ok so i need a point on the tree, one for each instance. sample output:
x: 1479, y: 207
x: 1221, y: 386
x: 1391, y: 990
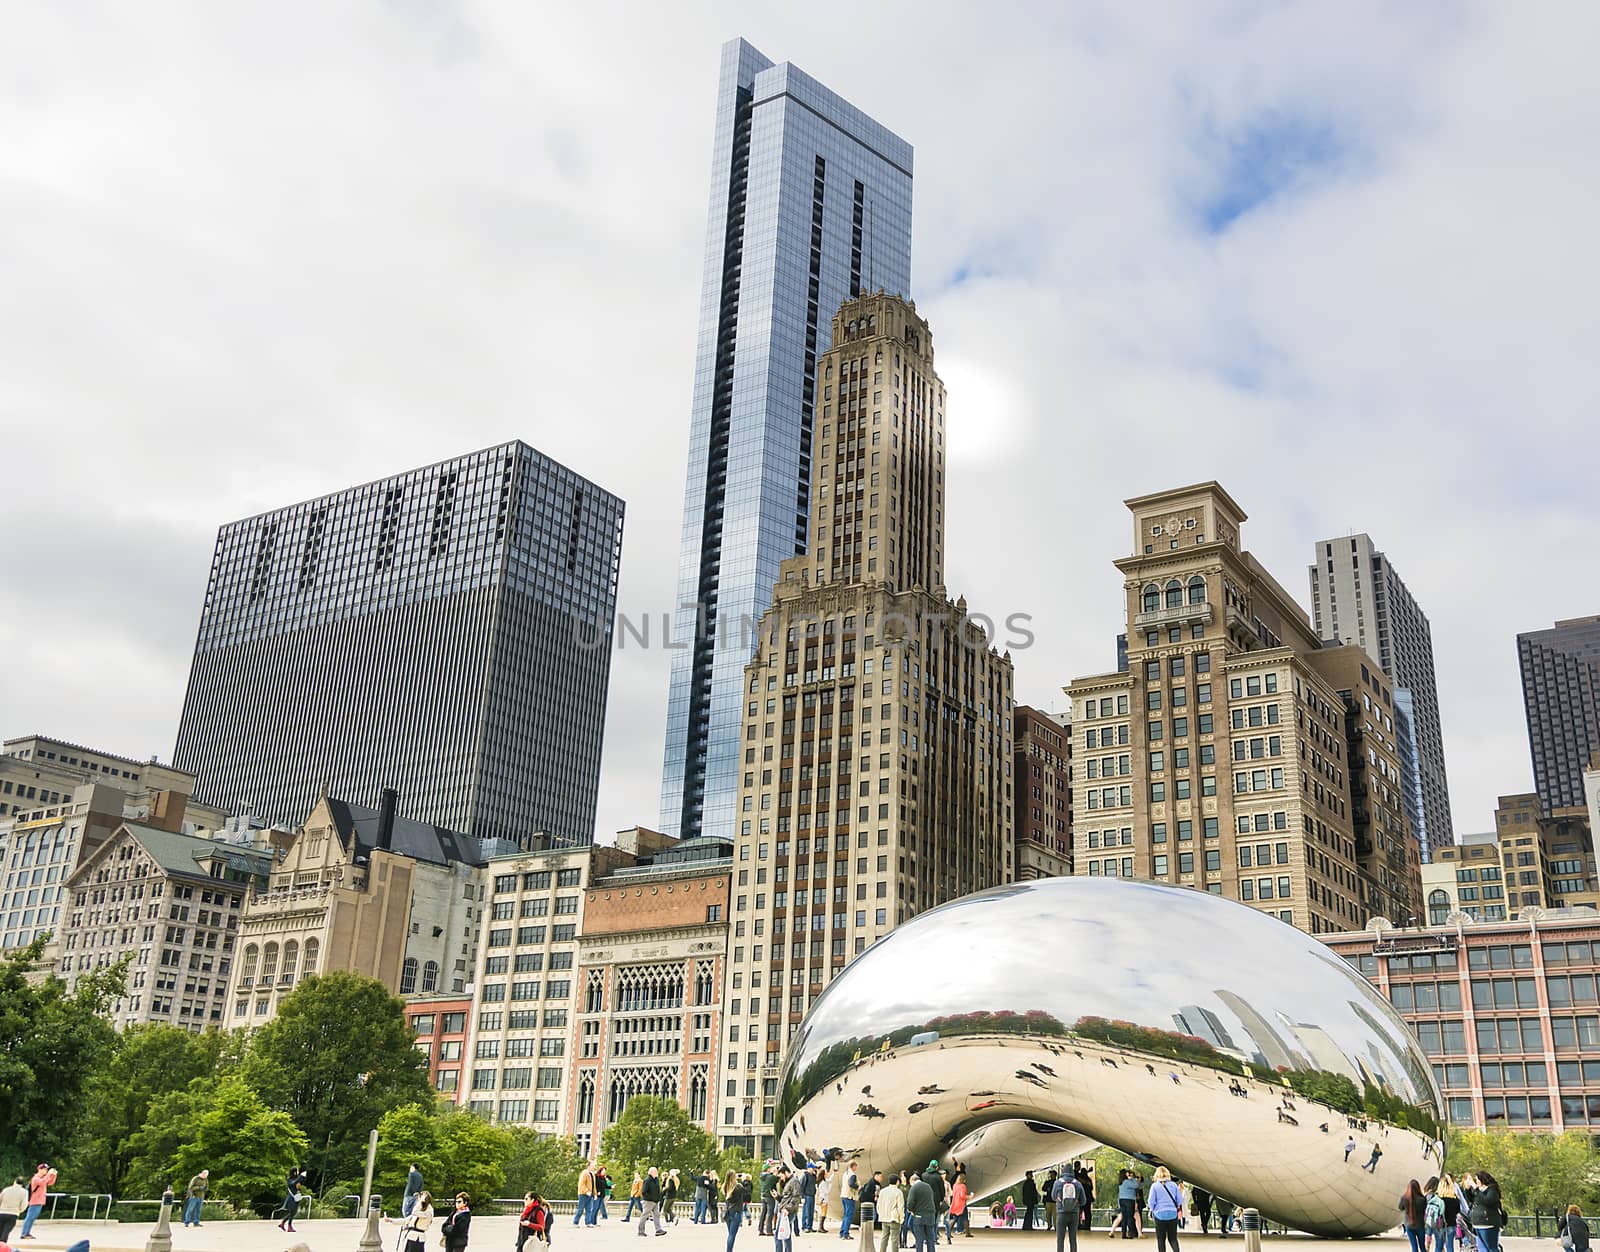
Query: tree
x: 223, y: 1126
x: 146, y: 1064
x: 50, y: 1042
x: 655, y: 1131
x: 409, y: 1136
x: 337, y: 1057
x: 1535, y: 1171
x: 454, y: 1149
x: 248, y: 1147
x: 546, y: 1164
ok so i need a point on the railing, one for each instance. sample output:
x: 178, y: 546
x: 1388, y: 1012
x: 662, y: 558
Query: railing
x: 1177, y: 615
x: 94, y: 1198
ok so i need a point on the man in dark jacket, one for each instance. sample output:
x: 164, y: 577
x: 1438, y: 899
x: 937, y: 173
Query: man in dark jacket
x: 1030, y: 1199
x: 650, y: 1198
x: 1202, y: 1206
x: 769, y: 1199
x: 869, y: 1195
x: 808, y: 1201
x: 413, y: 1190
x: 922, y: 1213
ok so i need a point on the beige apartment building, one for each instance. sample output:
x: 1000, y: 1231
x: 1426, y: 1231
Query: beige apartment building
x: 876, y: 779
x: 360, y: 889
x: 1548, y: 860
x: 1465, y: 878
x: 1220, y: 759
x: 170, y: 902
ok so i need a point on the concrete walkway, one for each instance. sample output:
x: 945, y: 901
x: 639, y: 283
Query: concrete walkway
x: 499, y: 1234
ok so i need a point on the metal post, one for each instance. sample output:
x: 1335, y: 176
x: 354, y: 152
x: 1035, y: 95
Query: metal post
x: 1250, y: 1223
x: 867, y: 1213
x: 160, y: 1239
x: 371, y: 1240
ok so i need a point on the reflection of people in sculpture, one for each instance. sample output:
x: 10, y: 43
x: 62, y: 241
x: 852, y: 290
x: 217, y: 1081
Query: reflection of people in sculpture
x: 1372, y: 1161
x: 1349, y: 1147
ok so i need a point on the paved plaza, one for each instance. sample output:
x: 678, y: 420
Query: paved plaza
x: 499, y: 1234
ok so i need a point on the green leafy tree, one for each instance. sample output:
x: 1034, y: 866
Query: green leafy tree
x: 474, y: 1155
x: 147, y: 1063
x: 655, y: 1131
x: 248, y: 1147
x: 407, y: 1136
x: 546, y: 1164
x: 454, y: 1149
x: 1535, y: 1171
x: 337, y: 1057
x: 50, y: 1042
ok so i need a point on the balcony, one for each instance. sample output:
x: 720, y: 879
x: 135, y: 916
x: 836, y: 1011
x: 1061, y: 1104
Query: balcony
x: 1179, y: 615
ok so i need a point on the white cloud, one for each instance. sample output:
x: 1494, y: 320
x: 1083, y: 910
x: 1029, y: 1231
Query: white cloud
x: 250, y: 258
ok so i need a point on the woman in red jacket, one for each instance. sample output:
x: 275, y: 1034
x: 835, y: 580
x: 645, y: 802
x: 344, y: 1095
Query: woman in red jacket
x: 535, y: 1221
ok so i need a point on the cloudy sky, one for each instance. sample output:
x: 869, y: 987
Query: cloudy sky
x: 1340, y: 257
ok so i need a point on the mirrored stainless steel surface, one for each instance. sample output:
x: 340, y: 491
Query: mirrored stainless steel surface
x: 1012, y: 1029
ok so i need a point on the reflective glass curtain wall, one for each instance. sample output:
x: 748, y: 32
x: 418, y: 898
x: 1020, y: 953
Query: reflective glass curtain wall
x: 446, y: 632
x: 810, y: 204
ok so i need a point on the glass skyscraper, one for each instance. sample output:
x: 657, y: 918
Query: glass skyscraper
x: 810, y: 205
x: 446, y: 632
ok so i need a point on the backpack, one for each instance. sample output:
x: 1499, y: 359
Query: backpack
x: 1433, y: 1214
x: 1068, y: 1195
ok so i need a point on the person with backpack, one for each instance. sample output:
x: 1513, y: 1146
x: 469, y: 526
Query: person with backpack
x: 1413, y: 1207
x: 1485, y: 1215
x: 1166, y: 1208
x: 1574, y: 1230
x: 1070, y: 1200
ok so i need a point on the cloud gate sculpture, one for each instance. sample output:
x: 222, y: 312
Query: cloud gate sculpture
x: 1021, y: 1026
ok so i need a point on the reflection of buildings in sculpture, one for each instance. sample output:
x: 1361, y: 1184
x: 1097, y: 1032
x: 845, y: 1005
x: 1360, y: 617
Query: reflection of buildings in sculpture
x: 1325, y: 1054
x: 1396, y: 1066
x: 1270, y: 1050
x: 1202, y: 1023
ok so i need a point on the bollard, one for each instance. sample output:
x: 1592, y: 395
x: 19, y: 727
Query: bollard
x: 867, y: 1214
x: 371, y: 1239
x: 160, y: 1239
x: 1250, y: 1223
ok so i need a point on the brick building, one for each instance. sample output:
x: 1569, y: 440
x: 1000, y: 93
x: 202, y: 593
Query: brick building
x: 1506, y: 1011
x: 441, y: 1025
x: 1043, y: 805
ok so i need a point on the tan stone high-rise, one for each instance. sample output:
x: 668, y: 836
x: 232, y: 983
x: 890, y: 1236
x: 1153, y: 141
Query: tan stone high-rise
x: 1220, y: 758
x: 876, y: 776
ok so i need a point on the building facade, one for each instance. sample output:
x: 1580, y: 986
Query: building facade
x: 441, y: 1025
x: 171, y: 903
x: 39, y: 772
x: 1465, y: 878
x: 519, y: 1066
x: 1388, y: 857
x: 446, y: 632
x: 810, y: 205
x: 876, y: 768
x: 362, y: 890
x: 1359, y: 599
x: 1220, y: 759
x: 1561, y: 696
x: 1042, y: 810
x: 1507, y: 1012
x: 650, y: 973
x: 1548, y: 857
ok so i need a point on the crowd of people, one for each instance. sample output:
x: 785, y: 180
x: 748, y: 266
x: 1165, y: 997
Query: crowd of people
x: 1445, y: 1212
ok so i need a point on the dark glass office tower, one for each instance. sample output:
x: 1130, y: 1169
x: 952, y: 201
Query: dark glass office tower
x: 810, y: 205
x: 1561, y: 692
x: 446, y: 632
